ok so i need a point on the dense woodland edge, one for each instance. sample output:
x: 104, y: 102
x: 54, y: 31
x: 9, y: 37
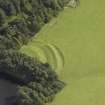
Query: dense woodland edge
x: 20, y: 20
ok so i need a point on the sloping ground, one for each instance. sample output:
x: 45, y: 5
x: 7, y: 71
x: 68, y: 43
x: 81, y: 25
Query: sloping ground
x: 80, y: 34
x: 46, y: 53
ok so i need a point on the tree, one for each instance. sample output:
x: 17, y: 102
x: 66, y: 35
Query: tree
x: 2, y: 17
x: 38, y: 83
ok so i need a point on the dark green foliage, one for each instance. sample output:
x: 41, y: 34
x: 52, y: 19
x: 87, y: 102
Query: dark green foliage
x: 2, y: 17
x: 38, y: 83
x: 21, y: 19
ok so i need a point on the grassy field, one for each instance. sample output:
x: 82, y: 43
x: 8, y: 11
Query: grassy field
x: 80, y: 34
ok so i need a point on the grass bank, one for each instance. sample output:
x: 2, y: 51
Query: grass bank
x: 80, y: 34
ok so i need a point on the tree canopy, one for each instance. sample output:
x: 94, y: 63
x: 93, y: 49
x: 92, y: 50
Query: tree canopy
x: 38, y: 83
x: 19, y: 21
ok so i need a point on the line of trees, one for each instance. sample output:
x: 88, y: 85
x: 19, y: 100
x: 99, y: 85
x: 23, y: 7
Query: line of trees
x: 19, y: 21
x: 22, y: 19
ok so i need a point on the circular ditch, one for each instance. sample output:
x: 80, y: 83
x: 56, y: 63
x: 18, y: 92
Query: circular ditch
x: 46, y: 53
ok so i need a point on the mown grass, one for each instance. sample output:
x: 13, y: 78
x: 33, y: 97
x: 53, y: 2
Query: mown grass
x: 80, y: 34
